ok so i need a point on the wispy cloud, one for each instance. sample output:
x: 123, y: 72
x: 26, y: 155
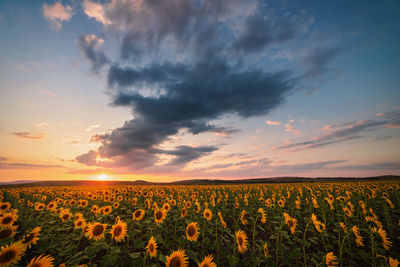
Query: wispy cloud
x: 47, y: 92
x: 56, y: 14
x: 275, y: 123
x: 91, y: 127
x: 28, y: 135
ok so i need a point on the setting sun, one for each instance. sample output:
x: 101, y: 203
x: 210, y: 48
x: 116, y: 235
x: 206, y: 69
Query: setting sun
x: 102, y: 177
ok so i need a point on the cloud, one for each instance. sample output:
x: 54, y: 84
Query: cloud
x: 28, y: 135
x: 27, y: 166
x: 91, y: 127
x: 95, y: 10
x: 307, y: 166
x: 346, y: 131
x: 89, y: 45
x: 290, y: 129
x: 56, y: 14
x: 275, y: 123
x: 180, y: 66
x: 3, y: 158
x: 317, y: 59
x: 265, y: 27
x: 372, y: 166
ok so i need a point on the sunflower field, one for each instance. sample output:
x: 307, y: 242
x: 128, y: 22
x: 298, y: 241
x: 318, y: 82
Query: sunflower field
x: 316, y: 224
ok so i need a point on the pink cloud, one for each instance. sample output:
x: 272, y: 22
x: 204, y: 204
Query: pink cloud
x: 96, y: 11
x: 290, y: 129
x: 275, y: 123
x: 56, y: 14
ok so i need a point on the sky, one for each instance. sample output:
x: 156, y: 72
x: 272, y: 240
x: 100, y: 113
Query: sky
x: 219, y: 89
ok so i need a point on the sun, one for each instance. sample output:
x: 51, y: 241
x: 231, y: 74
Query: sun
x: 102, y: 177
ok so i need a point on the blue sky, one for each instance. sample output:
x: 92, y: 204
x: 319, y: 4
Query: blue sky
x: 178, y: 89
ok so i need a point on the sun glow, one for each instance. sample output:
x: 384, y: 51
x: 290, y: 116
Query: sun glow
x: 102, y: 177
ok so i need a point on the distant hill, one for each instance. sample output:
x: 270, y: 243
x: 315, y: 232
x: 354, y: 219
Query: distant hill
x: 204, y: 181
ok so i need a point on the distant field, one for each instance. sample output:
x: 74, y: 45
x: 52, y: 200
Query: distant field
x: 294, y: 224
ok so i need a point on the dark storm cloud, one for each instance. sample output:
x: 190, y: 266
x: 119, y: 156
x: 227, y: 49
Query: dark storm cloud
x: 185, y: 154
x: 89, y: 45
x: 179, y: 67
x: 265, y: 27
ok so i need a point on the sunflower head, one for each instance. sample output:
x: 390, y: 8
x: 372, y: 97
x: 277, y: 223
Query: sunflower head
x: 177, y: 258
x: 8, y: 219
x: 32, y: 237
x: 118, y: 230
x: 207, y: 214
x: 42, y: 261
x: 152, y: 247
x: 159, y: 215
x: 10, y: 255
x: 192, y: 231
x: 7, y: 232
x: 241, y: 239
x: 138, y: 215
x: 96, y: 231
x: 208, y: 262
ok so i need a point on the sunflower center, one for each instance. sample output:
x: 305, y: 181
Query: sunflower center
x: 98, y: 229
x: 175, y: 262
x: 3, y: 207
x: 240, y: 240
x: 7, y: 220
x: 65, y: 216
x: 117, y: 231
x: 79, y: 223
x: 191, y: 230
x: 151, y: 247
x: 159, y: 215
x: 7, y: 256
x: 137, y: 214
x: 5, y: 233
x: 290, y: 223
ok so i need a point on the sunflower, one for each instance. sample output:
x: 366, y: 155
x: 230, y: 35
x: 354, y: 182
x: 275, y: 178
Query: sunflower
x: 166, y: 207
x: 52, y: 205
x: 207, y: 262
x: 263, y: 217
x: 118, y: 230
x: 331, y: 260
x: 32, y: 237
x: 386, y: 243
x: 7, y: 232
x: 8, y: 219
x: 95, y: 209
x: 5, y: 206
x: 241, y: 239
x: 243, y: 217
x: 236, y: 205
x: 65, y: 215
x: 10, y: 255
x: 348, y: 211
x: 134, y: 201
x: 291, y: 222
x: 41, y: 261
x: 84, y: 203
x: 107, y: 210
x: 177, y: 258
x: 159, y: 215
x: 116, y: 205
x: 265, y: 249
x: 393, y: 262
x: 343, y: 227
x: 96, y: 231
x: 138, y: 215
x: 207, y: 214
x: 80, y: 223
x: 183, y: 212
x: 359, y: 238
x: 192, y: 231
x: 152, y: 247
